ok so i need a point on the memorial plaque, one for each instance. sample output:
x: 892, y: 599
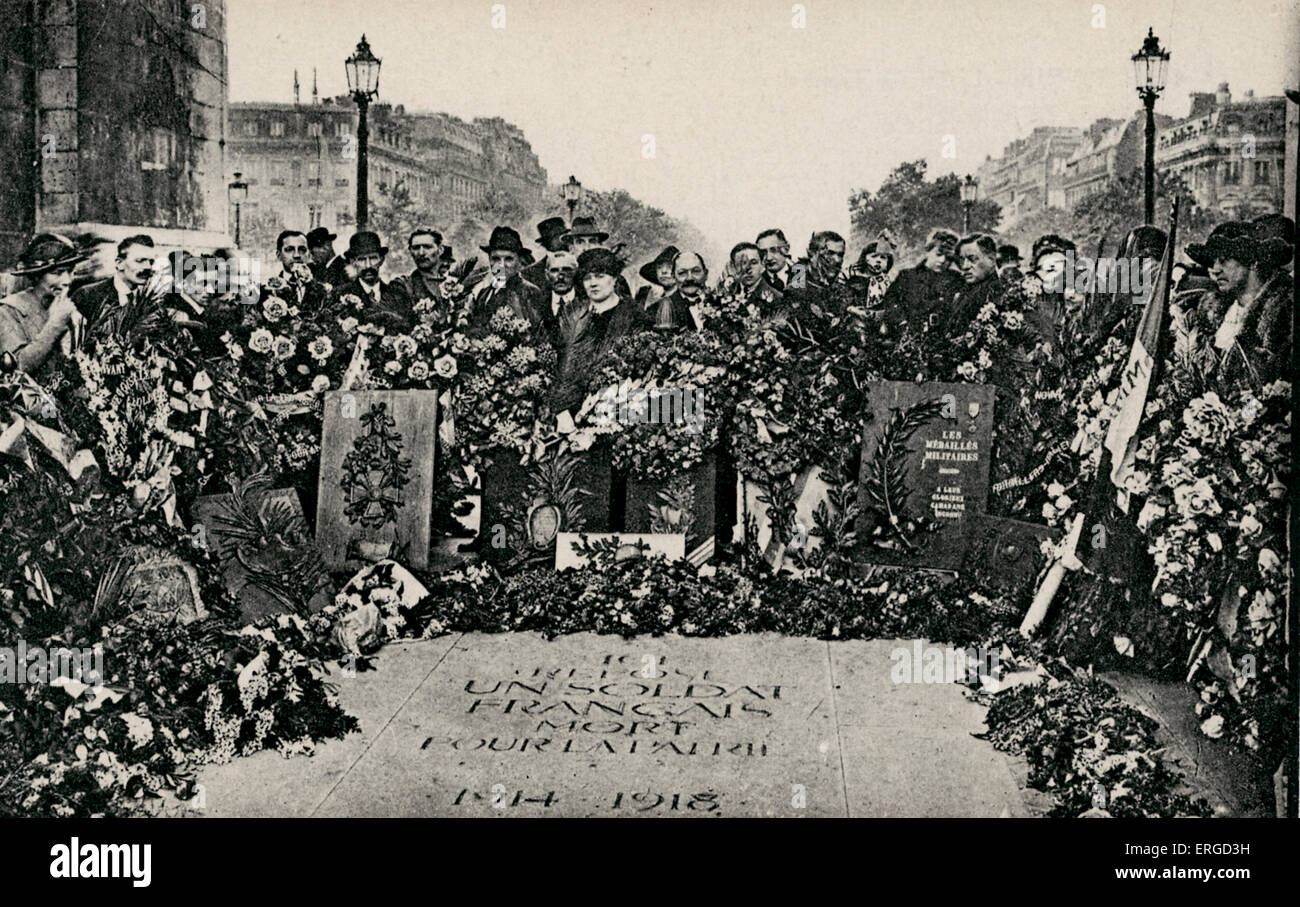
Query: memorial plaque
x: 686, y: 503
x: 511, y: 724
x: 925, y: 468
x: 590, y: 725
x: 1006, y: 553
x: 627, y: 545
x: 524, y: 506
x: 255, y: 572
x: 376, y: 477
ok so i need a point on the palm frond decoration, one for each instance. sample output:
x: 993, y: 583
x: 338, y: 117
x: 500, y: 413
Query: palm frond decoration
x: 885, y: 479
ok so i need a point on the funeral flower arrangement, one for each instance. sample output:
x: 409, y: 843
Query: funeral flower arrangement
x: 660, y: 397
x: 1215, y: 477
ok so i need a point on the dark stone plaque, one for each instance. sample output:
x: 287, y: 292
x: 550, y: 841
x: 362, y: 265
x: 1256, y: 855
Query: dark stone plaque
x: 687, y: 503
x: 925, y: 469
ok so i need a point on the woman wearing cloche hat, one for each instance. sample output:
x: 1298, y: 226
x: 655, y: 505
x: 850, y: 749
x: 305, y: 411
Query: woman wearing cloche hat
x: 34, y: 320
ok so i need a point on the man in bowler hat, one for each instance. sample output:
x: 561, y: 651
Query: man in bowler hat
x: 385, y: 304
x: 506, y: 286
x: 553, y: 236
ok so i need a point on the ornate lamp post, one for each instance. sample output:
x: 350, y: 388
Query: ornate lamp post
x: 363, y: 82
x: 1149, y: 65
x: 572, y: 192
x: 970, y: 188
x: 238, y: 195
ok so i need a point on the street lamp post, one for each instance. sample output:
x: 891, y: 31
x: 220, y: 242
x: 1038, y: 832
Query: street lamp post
x: 572, y: 192
x: 1149, y: 66
x: 363, y: 82
x: 238, y: 195
x: 969, y: 191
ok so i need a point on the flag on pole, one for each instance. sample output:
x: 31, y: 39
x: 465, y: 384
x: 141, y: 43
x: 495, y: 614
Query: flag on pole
x: 1136, y: 382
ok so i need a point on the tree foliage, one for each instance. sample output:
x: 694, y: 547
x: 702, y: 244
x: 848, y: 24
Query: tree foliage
x: 909, y: 206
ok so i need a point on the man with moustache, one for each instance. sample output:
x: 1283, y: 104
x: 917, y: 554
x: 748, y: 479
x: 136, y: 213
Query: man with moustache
x: 380, y: 302
x: 506, y: 286
x: 561, y: 289
x: 553, y: 236
x: 133, y: 269
x: 774, y: 250
x: 673, y: 311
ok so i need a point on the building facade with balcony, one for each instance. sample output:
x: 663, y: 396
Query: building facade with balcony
x: 299, y: 161
x: 1230, y: 153
x: 1031, y: 172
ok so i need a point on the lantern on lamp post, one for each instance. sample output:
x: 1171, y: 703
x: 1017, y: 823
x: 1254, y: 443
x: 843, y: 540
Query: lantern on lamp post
x: 363, y: 82
x: 572, y: 192
x: 238, y: 195
x: 1149, y: 66
x: 970, y: 188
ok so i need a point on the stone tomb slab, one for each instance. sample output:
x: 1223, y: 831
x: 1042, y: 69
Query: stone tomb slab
x: 588, y: 725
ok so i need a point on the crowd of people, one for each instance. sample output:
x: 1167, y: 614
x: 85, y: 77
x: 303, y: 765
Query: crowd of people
x: 1232, y: 290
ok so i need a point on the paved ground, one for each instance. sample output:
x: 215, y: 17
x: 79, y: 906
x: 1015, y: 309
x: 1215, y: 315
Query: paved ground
x: 512, y: 724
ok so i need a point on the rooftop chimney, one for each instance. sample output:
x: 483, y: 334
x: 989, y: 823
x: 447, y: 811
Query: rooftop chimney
x: 1223, y: 96
x: 295, y: 88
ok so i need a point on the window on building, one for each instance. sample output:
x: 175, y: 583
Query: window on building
x: 1262, y: 172
x: 313, y: 216
x: 342, y: 127
x: 313, y: 130
x: 277, y: 127
x: 250, y: 127
x: 313, y: 174
x: 341, y: 181
x: 1232, y: 173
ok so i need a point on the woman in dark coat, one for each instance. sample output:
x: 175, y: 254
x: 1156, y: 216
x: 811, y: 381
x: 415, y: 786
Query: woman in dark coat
x: 589, y: 325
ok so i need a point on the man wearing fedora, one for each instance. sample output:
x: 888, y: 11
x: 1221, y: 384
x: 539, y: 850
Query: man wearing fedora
x: 1247, y: 319
x: 507, y: 287
x: 33, y: 321
x: 553, y: 236
x: 326, y: 267
x: 659, y: 277
x: 382, y: 303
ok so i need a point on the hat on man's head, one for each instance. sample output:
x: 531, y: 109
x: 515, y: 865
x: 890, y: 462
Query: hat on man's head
x: 47, y: 252
x: 550, y: 230
x: 599, y: 261
x: 1240, y: 241
x: 526, y: 257
x: 650, y: 270
x: 1051, y: 243
x: 447, y: 254
x: 366, y: 242
x: 320, y: 237
x: 504, y: 239
x: 1007, y: 254
x: 586, y: 226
